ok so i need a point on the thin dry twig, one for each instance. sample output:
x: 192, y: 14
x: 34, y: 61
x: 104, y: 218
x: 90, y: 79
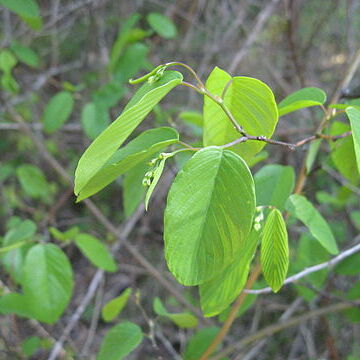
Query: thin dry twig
x: 253, y: 35
x: 273, y: 329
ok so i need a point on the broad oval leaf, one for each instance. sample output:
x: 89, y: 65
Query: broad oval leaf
x: 94, y: 119
x: 302, y: 209
x: 349, y: 266
x: 119, y: 341
x: 274, y: 250
x: 21, y: 232
x: 33, y: 181
x: 192, y: 118
x: 274, y: 184
x: 303, y: 98
x: 7, y: 61
x: 96, y: 252
x: 47, y: 282
x: 31, y: 345
x: 114, y: 307
x: 309, y: 252
x: 354, y: 117
x: 250, y: 101
x: 57, y: 111
x: 106, y: 144
x: 208, y: 216
x: 136, y: 151
x: 14, y: 303
x: 344, y: 149
x: 183, y: 320
x: 199, y: 342
x: 28, y: 10
x: 162, y: 25
x: 25, y: 54
x: 219, y: 292
x: 122, y: 39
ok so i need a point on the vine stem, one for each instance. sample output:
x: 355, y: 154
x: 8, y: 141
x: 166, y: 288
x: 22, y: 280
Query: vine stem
x: 232, y: 315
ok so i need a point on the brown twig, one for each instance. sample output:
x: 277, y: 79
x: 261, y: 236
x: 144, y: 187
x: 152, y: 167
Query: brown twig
x: 289, y: 146
x: 232, y: 315
x: 344, y: 81
x: 260, y: 21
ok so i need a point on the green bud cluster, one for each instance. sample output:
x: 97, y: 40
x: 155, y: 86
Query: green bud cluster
x: 259, y: 218
x: 159, y: 73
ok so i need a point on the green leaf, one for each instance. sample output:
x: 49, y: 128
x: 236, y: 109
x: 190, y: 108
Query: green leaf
x: 15, y: 303
x: 344, y: 149
x: 162, y: 25
x: 7, y: 61
x: 354, y: 117
x: 246, y: 305
x: 25, y: 54
x: 57, y: 111
x: 136, y: 151
x: 106, y: 144
x: 108, y: 95
x: 311, y: 156
x: 303, y: 98
x: 133, y: 60
x: 94, y: 119
x: 183, y: 320
x: 47, y: 282
x: 16, y: 243
x: 30, y: 345
x: 23, y: 231
x: 9, y: 83
x: 349, y: 266
x: 353, y: 314
x: 119, y: 341
x: 192, y: 117
x: 96, y: 252
x: 208, y: 216
x: 261, y: 156
x: 157, y: 174
x: 199, y: 342
x: 274, y: 184
x: 355, y: 218
x: 65, y: 236
x: 33, y: 181
x: 133, y: 189
x: 302, y: 209
x: 218, y: 293
x: 28, y: 10
x: 250, y: 101
x: 113, y: 308
x: 122, y: 39
x: 274, y: 250
x: 309, y: 252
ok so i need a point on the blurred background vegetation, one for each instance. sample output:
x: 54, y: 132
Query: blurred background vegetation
x: 64, y: 71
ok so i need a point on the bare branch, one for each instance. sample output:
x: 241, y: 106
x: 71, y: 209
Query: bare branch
x: 273, y: 329
x: 289, y: 146
x: 255, y: 31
